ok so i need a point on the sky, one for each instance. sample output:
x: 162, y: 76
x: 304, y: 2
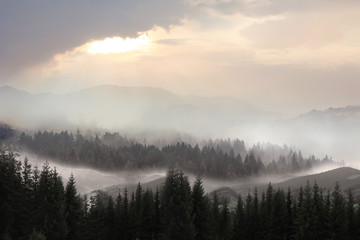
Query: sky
x: 283, y: 56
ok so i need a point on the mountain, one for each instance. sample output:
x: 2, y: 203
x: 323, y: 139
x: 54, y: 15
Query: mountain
x: 335, y: 131
x: 23, y: 109
x: 348, y: 114
x: 124, y: 108
x: 347, y: 177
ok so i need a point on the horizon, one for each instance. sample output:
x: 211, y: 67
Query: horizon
x: 283, y: 114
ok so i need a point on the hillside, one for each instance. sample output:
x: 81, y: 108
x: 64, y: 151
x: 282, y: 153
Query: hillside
x: 348, y: 178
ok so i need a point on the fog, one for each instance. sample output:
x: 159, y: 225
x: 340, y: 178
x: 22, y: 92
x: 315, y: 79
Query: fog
x: 89, y: 180
x: 153, y: 115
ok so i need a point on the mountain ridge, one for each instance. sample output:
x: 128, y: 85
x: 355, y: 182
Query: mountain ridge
x: 115, y: 106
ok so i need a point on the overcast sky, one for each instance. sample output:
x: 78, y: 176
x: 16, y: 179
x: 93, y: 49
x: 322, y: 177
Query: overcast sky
x: 285, y: 56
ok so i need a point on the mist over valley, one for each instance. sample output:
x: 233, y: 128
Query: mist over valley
x: 155, y: 114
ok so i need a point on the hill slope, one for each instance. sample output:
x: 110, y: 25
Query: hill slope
x: 348, y: 178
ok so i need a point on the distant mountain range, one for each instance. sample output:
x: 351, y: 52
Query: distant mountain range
x: 335, y: 131
x: 115, y: 107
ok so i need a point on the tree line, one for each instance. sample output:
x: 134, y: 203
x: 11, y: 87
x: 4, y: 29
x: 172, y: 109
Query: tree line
x: 35, y: 204
x: 219, y: 159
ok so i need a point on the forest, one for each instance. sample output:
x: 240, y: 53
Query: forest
x: 217, y: 159
x: 36, y: 204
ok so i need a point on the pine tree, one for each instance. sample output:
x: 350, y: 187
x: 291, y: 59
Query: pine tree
x: 249, y: 233
x: 133, y: 227
x: 58, y: 229
x: 316, y: 211
x: 215, y: 216
x: 269, y: 211
x: 118, y: 206
x: 326, y: 218
x: 263, y: 221
x: 157, y: 221
x: 137, y: 212
x: 225, y: 221
x: 239, y: 221
x: 290, y: 213
x: 177, y: 207
x: 200, y: 211
x: 10, y: 189
x: 350, y: 210
x: 95, y: 227
x: 280, y: 219
x: 72, y: 209
x: 255, y: 215
x: 124, y: 218
x: 339, y: 221
x: 148, y: 217
x: 110, y: 224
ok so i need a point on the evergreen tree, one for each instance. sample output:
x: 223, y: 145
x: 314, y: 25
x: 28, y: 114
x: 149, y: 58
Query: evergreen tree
x: 10, y: 189
x: 326, y: 217
x: 316, y: 211
x: 118, y: 225
x: 350, y: 210
x: 137, y: 211
x: 263, y: 220
x: 255, y: 215
x: 133, y: 225
x: 200, y: 211
x: 57, y: 228
x: 177, y: 207
x: 95, y: 225
x: 72, y: 209
x: 148, y: 217
x: 110, y: 225
x: 290, y: 214
x: 269, y: 211
x: 239, y: 221
x: 225, y: 221
x: 338, y: 218
x: 280, y: 218
x: 178, y: 214
x: 249, y: 233
x: 157, y: 221
x: 215, y: 216
x: 124, y: 218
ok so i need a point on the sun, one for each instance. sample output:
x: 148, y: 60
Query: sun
x: 119, y: 45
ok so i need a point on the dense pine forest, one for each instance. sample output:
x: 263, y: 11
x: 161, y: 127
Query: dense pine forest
x: 35, y: 204
x: 219, y: 158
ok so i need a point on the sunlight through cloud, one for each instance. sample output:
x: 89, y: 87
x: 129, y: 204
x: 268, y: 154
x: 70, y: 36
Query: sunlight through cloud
x: 119, y: 45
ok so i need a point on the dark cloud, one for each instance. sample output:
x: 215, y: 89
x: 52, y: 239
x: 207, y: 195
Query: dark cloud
x: 33, y: 31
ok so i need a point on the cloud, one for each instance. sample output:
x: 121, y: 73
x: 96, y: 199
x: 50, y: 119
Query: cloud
x: 314, y: 28
x: 33, y: 32
x: 284, y: 58
x: 264, y: 7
